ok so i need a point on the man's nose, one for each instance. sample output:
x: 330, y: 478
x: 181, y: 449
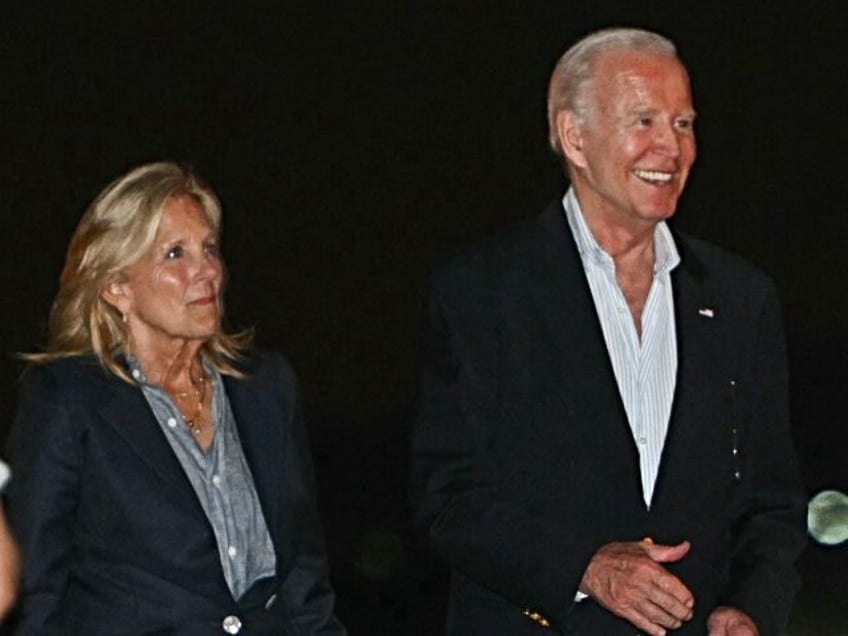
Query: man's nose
x: 666, y: 139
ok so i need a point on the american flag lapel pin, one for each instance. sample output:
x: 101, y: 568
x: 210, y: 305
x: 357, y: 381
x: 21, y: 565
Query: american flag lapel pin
x: 706, y: 312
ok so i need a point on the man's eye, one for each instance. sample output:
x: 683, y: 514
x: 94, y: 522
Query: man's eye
x: 174, y: 252
x: 684, y: 124
x: 645, y: 121
x: 213, y: 250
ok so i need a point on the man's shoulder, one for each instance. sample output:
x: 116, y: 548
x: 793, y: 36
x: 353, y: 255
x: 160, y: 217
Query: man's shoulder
x: 718, y: 263
x: 493, y: 256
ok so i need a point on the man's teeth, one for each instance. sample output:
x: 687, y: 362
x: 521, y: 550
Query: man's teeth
x: 653, y: 175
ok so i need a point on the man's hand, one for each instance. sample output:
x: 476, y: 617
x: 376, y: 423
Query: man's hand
x: 729, y: 621
x: 628, y: 580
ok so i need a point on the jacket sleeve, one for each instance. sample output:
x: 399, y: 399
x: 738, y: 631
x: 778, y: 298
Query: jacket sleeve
x: 308, y: 594
x: 45, y: 451
x: 501, y: 541
x: 769, y: 525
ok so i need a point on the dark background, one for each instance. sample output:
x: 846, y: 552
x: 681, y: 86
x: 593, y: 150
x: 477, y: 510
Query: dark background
x: 351, y: 143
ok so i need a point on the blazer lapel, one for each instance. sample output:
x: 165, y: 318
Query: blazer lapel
x: 130, y: 415
x: 564, y: 300
x: 259, y: 424
x: 565, y: 303
x: 698, y: 318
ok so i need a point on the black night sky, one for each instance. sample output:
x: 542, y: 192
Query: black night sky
x: 352, y: 143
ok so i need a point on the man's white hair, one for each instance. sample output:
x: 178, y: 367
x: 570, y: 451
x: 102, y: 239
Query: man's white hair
x: 573, y: 76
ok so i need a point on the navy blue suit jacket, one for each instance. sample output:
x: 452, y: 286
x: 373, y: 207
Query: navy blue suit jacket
x: 524, y: 463
x: 114, y: 539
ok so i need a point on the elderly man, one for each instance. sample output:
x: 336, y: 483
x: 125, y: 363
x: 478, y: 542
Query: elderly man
x: 602, y: 440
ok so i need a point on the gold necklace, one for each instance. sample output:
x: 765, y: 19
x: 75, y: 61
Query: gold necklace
x: 198, y: 388
x: 194, y: 423
x: 181, y: 395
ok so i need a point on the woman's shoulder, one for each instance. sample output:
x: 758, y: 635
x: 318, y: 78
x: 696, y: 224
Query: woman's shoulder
x: 76, y: 383
x: 266, y: 363
x: 77, y: 370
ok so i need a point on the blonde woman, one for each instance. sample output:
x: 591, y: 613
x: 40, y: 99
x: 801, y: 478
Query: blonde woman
x: 163, y: 482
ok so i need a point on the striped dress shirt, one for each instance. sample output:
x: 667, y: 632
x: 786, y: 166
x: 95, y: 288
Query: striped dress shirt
x: 645, y: 369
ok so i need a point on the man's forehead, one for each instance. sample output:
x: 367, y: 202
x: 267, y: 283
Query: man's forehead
x: 643, y: 62
x: 635, y: 75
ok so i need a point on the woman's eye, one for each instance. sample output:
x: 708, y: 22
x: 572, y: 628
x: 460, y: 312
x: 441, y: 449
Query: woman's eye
x: 174, y: 252
x: 212, y: 249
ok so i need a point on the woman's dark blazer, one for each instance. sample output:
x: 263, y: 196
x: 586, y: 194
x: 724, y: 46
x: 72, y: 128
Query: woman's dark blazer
x: 113, y: 536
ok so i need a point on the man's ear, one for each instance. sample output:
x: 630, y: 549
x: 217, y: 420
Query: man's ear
x: 569, y: 130
x: 117, y: 294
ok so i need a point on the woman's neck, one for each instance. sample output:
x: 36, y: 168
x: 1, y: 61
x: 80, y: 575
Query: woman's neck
x: 176, y: 369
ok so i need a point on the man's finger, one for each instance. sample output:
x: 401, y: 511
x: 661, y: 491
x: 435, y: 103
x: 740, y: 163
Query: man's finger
x: 667, y: 553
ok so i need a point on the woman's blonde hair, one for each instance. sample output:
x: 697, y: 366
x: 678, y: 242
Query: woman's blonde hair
x: 116, y: 231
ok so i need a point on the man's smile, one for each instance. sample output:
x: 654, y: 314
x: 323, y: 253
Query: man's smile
x: 654, y: 176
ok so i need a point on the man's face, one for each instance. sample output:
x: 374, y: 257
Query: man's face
x: 635, y: 150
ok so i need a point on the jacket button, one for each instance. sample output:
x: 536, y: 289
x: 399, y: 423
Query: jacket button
x: 231, y: 625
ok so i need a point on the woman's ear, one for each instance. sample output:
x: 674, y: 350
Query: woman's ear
x: 569, y: 129
x: 117, y: 294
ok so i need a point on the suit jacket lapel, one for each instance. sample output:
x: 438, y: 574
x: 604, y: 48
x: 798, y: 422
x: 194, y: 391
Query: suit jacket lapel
x: 259, y: 424
x: 697, y: 320
x: 566, y: 304
x: 129, y: 413
x: 563, y: 298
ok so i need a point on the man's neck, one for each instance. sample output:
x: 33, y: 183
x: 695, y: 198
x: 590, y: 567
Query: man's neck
x: 630, y: 243
x: 617, y: 235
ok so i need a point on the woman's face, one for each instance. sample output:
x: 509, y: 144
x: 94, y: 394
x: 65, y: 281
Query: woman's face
x: 172, y: 295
